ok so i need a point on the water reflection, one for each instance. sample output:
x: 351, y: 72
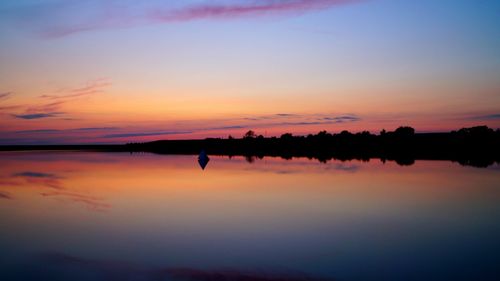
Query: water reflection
x: 37, y: 178
x: 203, y: 159
x: 104, y: 216
x: 402, y: 161
x: 46, y: 184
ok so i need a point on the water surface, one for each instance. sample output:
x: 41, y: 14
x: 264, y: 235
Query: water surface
x: 119, y: 216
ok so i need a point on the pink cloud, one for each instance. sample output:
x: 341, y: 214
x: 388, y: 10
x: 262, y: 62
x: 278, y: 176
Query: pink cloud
x: 61, y: 19
x: 253, y: 8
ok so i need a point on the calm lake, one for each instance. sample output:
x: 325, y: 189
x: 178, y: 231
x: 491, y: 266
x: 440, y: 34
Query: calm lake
x: 119, y: 216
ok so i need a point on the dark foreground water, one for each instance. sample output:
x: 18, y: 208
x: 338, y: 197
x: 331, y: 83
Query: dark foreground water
x: 99, y: 216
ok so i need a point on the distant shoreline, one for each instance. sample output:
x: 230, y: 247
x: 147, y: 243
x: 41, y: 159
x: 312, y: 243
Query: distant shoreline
x: 477, y: 146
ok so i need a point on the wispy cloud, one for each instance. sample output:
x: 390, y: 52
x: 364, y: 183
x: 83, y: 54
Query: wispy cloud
x: 298, y: 123
x: 93, y: 87
x: 37, y: 115
x: 272, y: 116
x: 5, y: 95
x: 6, y: 108
x: 186, y: 129
x: 5, y: 195
x: 485, y: 117
x: 287, y: 115
x: 41, y: 131
x: 31, y: 111
x: 145, y: 134
x: 342, y: 119
x: 291, y: 119
x: 263, y: 121
x: 47, y: 107
x: 96, y: 129
x: 244, y: 9
x: 226, y: 128
x: 313, y: 116
x: 62, y: 18
x: 51, y: 105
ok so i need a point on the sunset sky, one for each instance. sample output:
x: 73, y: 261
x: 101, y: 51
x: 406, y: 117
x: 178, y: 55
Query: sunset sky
x: 114, y: 71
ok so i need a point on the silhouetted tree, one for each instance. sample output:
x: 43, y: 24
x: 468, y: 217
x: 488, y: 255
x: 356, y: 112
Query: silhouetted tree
x: 364, y: 134
x: 476, y: 131
x: 324, y: 134
x: 345, y: 133
x: 249, y: 135
x: 405, y: 131
x: 323, y: 137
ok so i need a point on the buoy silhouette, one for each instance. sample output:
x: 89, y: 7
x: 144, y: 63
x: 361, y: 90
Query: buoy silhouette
x: 203, y: 159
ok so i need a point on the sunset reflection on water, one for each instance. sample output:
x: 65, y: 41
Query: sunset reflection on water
x: 98, y: 216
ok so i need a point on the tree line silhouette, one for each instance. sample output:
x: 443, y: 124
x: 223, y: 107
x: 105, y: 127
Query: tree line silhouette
x: 476, y: 146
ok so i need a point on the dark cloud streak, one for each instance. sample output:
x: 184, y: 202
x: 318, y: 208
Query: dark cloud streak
x: 289, y: 119
x: 95, y: 129
x: 36, y: 115
x: 342, y: 119
x: 30, y: 174
x: 485, y: 117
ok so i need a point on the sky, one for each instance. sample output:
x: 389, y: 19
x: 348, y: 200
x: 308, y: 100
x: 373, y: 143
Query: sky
x: 115, y: 71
